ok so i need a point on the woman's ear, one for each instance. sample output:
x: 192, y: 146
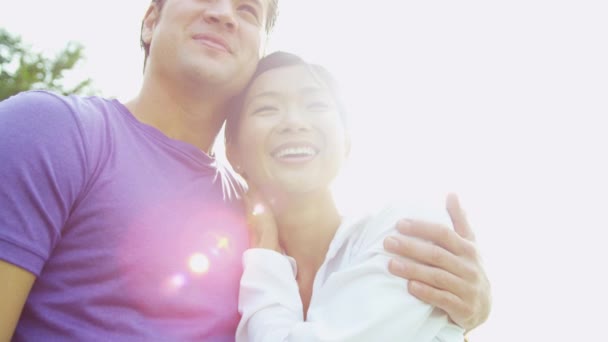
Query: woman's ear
x: 149, y: 23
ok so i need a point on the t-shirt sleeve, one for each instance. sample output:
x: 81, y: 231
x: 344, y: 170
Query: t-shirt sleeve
x: 42, y: 173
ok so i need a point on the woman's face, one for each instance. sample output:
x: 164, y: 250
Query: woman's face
x: 290, y: 138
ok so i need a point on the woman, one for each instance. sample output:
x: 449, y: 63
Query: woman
x: 311, y: 274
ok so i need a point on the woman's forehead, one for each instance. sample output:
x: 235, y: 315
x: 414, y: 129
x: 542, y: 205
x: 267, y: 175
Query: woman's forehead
x: 297, y: 78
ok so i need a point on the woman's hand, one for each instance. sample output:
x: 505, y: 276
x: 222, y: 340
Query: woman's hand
x: 262, y: 225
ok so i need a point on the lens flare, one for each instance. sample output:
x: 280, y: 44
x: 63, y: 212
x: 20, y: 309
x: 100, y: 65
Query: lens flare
x: 223, y: 243
x: 178, y: 280
x: 199, y: 263
x: 258, y: 209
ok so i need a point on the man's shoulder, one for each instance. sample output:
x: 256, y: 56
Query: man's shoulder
x: 89, y: 117
x: 41, y: 105
x: 34, y: 98
x: 43, y: 120
x: 45, y: 98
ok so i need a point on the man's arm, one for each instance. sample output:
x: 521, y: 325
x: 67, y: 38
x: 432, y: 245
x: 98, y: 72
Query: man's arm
x: 15, y: 285
x: 445, y: 270
x: 342, y: 308
x: 43, y: 171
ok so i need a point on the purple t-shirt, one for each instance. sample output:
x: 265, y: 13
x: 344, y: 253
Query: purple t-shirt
x: 132, y: 235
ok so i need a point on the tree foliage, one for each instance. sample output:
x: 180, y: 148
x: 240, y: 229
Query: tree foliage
x: 22, y: 69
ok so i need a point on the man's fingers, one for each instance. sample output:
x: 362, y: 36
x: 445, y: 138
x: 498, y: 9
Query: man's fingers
x: 459, y: 218
x: 428, y: 254
x: 254, y: 202
x: 443, y: 265
x: 441, y: 299
x: 458, y: 297
x: 432, y: 276
x: 256, y: 209
x: 437, y: 234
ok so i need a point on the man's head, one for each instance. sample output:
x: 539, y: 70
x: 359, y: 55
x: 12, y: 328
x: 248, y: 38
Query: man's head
x: 270, y: 21
x: 215, y: 42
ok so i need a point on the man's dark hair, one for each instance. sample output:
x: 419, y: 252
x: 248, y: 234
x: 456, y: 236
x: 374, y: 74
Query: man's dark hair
x: 273, y: 6
x: 272, y: 61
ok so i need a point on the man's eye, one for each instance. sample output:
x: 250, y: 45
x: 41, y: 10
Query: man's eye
x: 251, y: 10
x: 264, y: 110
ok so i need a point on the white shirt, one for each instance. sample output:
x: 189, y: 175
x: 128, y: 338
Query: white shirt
x: 354, y: 297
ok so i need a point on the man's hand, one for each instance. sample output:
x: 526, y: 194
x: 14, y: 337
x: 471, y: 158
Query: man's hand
x: 445, y: 270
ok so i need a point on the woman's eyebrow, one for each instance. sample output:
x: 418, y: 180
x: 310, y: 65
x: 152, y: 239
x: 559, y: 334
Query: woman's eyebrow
x: 267, y: 93
x: 313, y: 90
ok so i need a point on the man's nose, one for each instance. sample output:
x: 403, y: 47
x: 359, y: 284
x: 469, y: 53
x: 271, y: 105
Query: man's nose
x: 221, y: 12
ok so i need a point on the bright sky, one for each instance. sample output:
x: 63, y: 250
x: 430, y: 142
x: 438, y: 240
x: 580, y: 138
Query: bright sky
x: 504, y: 103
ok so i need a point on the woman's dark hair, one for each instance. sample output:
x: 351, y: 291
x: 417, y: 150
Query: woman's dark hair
x: 277, y: 60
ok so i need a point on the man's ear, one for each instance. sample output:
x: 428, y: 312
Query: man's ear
x: 263, y: 44
x: 149, y: 23
x: 347, y: 145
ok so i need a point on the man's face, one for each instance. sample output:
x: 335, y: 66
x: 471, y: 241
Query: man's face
x: 215, y: 42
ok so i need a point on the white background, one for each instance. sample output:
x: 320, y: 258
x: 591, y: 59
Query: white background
x: 504, y: 102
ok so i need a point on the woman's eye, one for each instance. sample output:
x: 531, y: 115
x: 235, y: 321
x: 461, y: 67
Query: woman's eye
x: 318, y: 106
x: 251, y: 10
x: 264, y: 110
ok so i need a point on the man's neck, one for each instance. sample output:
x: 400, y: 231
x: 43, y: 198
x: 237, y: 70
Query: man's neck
x: 191, y: 115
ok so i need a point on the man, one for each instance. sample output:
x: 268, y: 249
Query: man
x: 116, y: 224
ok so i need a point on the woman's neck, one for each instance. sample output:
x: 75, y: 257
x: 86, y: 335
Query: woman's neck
x: 307, y: 226
x: 306, y: 229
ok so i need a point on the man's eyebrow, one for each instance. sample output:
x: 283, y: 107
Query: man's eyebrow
x: 258, y: 3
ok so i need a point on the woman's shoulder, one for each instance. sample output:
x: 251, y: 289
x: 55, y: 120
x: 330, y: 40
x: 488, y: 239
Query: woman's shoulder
x: 370, y: 228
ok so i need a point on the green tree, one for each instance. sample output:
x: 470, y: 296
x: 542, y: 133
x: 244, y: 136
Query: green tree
x: 23, y: 69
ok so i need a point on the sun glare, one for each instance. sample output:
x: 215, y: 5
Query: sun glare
x: 223, y: 243
x: 198, y: 263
